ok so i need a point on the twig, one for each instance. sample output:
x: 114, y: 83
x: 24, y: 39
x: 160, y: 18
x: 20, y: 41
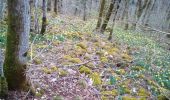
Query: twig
x: 26, y: 94
x: 79, y: 64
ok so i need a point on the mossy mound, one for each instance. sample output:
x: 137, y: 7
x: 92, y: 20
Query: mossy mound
x: 126, y: 57
x: 82, y: 45
x: 71, y: 59
x: 84, y: 69
x: 129, y: 98
x: 113, y: 92
x: 143, y: 92
x: 96, y: 78
x: 121, y: 71
x: 63, y: 73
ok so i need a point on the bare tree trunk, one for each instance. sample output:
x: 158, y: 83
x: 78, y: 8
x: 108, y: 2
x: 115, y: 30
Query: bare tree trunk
x: 44, y: 18
x: 90, y: 7
x: 52, y: 6
x: 102, y: 4
x: 84, y: 10
x: 126, y: 15
x: 107, y: 17
x: 36, y: 23
x: 114, y: 18
x: 17, y: 44
x: 56, y: 6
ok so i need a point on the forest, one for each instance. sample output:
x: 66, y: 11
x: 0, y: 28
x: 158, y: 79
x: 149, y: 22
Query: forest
x: 84, y: 49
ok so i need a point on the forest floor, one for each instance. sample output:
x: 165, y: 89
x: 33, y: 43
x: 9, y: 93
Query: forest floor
x: 71, y: 63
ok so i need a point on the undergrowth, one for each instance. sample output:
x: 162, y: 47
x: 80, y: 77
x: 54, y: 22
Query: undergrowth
x: 154, y: 58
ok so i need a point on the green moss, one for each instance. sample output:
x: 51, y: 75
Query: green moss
x: 96, y: 78
x: 128, y: 98
x: 71, y: 59
x: 113, y: 51
x: 63, y: 73
x: 82, y: 45
x: 54, y: 68
x: 46, y: 70
x: 162, y: 97
x: 104, y: 59
x: 143, y: 98
x: 75, y: 60
x: 126, y: 57
x: 106, y: 92
x: 124, y: 90
x: 100, y: 53
x: 3, y: 88
x: 112, y: 93
x: 104, y: 98
x: 67, y: 57
x: 37, y: 61
x: 58, y: 97
x: 137, y: 68
x: 38, y: 94
x: 143, y: 92
x: 120, y: 71
x: 84, y: 69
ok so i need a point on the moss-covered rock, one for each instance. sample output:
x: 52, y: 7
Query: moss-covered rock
x: 84, y: 69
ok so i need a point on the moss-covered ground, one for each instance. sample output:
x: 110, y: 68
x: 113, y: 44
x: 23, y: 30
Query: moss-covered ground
x: 70, y: 62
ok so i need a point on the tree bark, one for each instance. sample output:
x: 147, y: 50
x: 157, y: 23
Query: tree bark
x: 3, y: 82
x: 107, y: 17
x: 102, y: 4
x: 44, y: 18
x: 17, y: 44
